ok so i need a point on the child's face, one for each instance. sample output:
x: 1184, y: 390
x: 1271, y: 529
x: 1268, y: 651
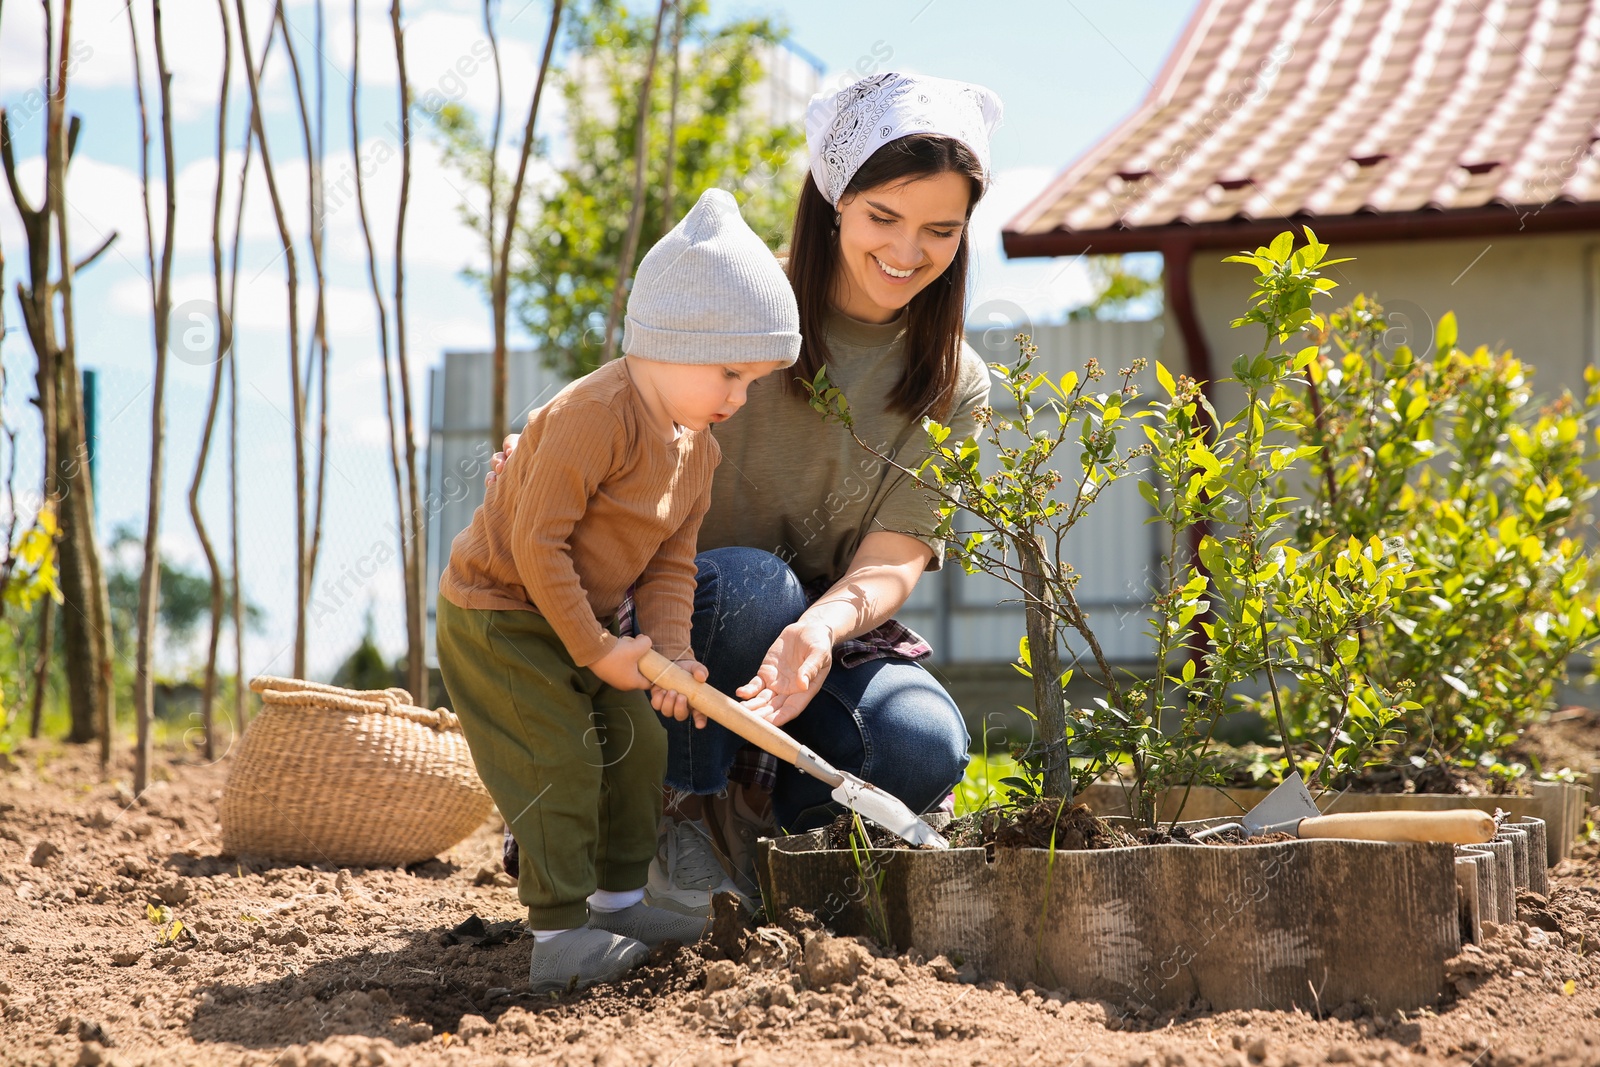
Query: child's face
x: 698, y: 395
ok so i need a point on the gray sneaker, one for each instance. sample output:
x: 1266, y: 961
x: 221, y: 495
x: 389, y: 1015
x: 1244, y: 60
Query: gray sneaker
x: 651, y: 925
x: 582, y: 957
x: 685, y: 873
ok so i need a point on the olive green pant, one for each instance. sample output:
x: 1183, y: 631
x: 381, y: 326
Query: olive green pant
x: 574, y: 765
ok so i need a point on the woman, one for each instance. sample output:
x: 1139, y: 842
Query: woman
x: 812, y: 543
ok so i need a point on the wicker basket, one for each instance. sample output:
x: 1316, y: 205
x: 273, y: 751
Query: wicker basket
x: 357, y: 779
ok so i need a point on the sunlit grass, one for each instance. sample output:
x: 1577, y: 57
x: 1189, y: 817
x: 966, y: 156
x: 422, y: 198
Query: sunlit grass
x: 980, y: 788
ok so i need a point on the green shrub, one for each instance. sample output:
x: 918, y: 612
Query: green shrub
x: 1487, y: 488
x: 1234, y: 600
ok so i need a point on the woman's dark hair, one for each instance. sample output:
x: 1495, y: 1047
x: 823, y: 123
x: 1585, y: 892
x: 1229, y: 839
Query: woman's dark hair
x: 935, y: 316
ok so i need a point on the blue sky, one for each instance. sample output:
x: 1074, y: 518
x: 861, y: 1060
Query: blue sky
x: 1067, y: 72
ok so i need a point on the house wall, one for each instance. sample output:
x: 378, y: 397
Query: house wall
x: 1534, y: 294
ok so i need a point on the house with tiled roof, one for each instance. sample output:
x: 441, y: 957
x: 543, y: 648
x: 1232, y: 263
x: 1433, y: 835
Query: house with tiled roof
x: 1447, y: 145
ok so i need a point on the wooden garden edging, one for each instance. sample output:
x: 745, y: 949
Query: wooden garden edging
x: 1309, y: 923
x: 1560, y: 804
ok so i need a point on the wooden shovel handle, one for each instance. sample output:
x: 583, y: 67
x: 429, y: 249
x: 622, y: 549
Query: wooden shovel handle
x: 1461, y: 826
x: 719, y: 707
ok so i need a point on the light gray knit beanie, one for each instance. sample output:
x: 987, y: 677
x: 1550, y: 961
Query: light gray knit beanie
x: 711, y: 292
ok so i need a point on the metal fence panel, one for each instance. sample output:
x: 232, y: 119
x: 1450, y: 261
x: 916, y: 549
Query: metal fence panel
x: 962, y: 614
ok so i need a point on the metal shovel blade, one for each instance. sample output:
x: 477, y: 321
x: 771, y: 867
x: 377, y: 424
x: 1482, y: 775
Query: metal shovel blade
x: 886, y: 810
x: 1282, y: 810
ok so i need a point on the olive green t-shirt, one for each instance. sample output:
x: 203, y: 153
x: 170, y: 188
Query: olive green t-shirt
x: 800, y: 487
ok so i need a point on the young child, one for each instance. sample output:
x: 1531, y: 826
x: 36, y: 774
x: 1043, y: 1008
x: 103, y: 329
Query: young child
x: 607, y: 492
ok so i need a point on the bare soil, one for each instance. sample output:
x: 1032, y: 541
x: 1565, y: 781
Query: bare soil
x: 313, y: 967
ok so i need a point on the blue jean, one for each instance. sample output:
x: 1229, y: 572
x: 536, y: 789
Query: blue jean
x: 888, y: 720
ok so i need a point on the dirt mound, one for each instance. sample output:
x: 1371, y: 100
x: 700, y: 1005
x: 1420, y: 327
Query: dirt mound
x: 1044, y: 824
x: 127, y: 938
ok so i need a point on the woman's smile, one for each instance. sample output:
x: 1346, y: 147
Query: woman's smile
x: 893, y: 276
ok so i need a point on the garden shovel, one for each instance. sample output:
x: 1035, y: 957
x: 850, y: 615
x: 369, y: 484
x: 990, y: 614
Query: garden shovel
x: 866, y: 800
x: 1289, y: 809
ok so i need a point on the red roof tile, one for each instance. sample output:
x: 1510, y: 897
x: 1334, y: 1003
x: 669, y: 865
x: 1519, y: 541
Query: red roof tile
x: 1318, y: 109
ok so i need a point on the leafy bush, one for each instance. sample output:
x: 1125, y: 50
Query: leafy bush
x: 1235, y: 600
x: 1487, y: 488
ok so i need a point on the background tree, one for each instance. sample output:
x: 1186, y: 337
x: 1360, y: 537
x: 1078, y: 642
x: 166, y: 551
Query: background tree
x: 498, y: 227
x: 66, y: 484
x: 571, y: 246
x: 641, y: 153
x: 160, y: 267
x: 1125, y: 287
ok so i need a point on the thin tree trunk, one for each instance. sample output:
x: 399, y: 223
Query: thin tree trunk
x: 668, y: 218
x: 416, y: 669
x: 403, y: 517
x: 302, y: 581
x: 161, y: 301
x: 317, y: 349
x: 1044, y: 663
x: 233, y: 410
x: 224, y: 341
x: 46, y: 612
x: 66, y: 482
x: 45, y: 400
x: 497, y: 376
x: 500, y: 258
x: 630, y: 246
x: 86, y: 629
x: 41, y: 665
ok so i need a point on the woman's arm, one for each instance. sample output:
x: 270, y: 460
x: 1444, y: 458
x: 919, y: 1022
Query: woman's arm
x: 881, y: 576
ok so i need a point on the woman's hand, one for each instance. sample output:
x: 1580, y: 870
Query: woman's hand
x: 619, y: 668
x: 498, y: 460
x: 792, y: 672
x: 675, y: 705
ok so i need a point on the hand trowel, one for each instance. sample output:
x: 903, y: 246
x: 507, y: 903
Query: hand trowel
x: 1289, y: 809
x: 863, y: 798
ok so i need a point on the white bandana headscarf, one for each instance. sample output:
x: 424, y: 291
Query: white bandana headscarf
x: 844, y: 128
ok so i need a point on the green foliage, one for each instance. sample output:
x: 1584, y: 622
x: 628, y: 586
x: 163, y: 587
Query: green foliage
x: 365, y: 667
x: 1123, y: 289
x: 1235, y: 602
x: 986, y: 782
x: 568, y: 245
x: 29, y: 570
x: 1488, y: 490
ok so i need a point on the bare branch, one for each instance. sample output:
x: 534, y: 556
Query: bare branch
x: 9, y: 160
x: 78, y: 267
x: 161, y: 304
x: 670, y: 167
x: 317, y: 349
x: 223, y: 340
x: 297, y: 400
x: 500, y: 259
x: 630, y: 246
x: 418, y: 676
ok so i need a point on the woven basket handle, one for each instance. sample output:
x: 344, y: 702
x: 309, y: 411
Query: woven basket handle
x: 265, y: 683
x: 296, y: 692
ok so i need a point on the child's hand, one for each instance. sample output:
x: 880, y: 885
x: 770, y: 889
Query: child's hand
x: 619, y: 668
x: 498, y: 460
x: 676, y: 705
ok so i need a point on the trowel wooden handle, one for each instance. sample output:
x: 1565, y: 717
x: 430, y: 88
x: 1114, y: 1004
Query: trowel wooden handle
x: 1460, y: 826
x: 719, y: 707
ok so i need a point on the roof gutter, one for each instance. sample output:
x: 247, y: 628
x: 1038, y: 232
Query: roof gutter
x: 1491, y: 221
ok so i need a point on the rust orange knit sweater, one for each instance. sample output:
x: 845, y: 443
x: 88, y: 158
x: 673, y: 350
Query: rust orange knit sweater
x: 592, y: 500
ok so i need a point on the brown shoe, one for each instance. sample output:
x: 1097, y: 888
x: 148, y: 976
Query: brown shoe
x: 735, y: 824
